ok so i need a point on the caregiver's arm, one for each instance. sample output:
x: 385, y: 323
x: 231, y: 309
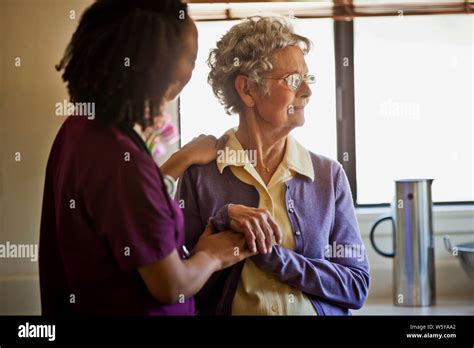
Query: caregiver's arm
x: 201, y: 150
x: 341, y: 280
x: 131, y: 212
x: 172, y: 277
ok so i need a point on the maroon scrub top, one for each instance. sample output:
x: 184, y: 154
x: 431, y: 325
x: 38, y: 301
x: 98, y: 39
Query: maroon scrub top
x: 105, y: 213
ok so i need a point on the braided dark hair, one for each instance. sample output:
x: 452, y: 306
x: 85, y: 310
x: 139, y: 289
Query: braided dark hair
x: 121, y: 57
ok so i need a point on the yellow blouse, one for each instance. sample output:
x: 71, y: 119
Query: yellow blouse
x: 259, y: 293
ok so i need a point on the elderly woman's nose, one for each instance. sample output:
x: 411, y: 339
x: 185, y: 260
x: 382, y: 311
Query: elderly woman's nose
x: 304, y: 91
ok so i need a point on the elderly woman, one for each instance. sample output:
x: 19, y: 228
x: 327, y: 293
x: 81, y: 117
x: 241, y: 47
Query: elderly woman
x: 293, y: 205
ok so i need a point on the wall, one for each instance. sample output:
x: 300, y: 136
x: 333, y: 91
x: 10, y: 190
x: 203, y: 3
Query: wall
x: 37, y: 32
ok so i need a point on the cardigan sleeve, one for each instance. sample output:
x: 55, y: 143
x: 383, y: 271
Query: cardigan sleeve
x: 337, y: 278
x: 186, y: 196
x: 194, y: 226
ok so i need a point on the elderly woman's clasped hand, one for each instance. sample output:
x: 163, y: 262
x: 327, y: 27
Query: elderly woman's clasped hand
x: 259, y: 227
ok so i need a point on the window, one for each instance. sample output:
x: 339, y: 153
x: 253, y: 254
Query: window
x: 413, y: 93
x: 200, y: 112
x: 413, y: 105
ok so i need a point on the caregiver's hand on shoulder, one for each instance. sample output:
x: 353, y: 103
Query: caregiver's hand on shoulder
x: 224, y: 248
x: 257, y: 225
x: 201, y: 150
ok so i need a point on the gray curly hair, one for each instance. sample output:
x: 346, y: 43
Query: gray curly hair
x: 247, y: 49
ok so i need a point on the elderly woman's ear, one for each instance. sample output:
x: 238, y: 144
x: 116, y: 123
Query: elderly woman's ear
x: 245, y: 90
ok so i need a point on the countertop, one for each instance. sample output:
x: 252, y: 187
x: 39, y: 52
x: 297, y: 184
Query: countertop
x: 442, y: 307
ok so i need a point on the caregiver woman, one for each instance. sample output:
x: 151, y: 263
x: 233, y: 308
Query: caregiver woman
x: 111, y: 239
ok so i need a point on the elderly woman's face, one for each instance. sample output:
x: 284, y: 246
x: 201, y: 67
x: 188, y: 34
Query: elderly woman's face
x: 284, y: 108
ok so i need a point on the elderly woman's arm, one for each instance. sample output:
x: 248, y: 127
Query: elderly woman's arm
x: 341, y: 280
x: 340, y: 283
x: 194, y: 225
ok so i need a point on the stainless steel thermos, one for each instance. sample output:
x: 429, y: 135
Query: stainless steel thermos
x: 413, y: 243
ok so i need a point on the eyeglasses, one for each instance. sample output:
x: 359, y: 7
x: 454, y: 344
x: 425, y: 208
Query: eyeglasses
x: 294, y: 81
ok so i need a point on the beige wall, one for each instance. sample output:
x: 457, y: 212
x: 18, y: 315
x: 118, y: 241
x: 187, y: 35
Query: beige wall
x: 37, y: 31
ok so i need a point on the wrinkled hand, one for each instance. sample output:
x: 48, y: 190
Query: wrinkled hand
x: 257, y: 225
x: 203, y: 149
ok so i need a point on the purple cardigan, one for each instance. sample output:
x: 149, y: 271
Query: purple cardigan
x: 321, y: 214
